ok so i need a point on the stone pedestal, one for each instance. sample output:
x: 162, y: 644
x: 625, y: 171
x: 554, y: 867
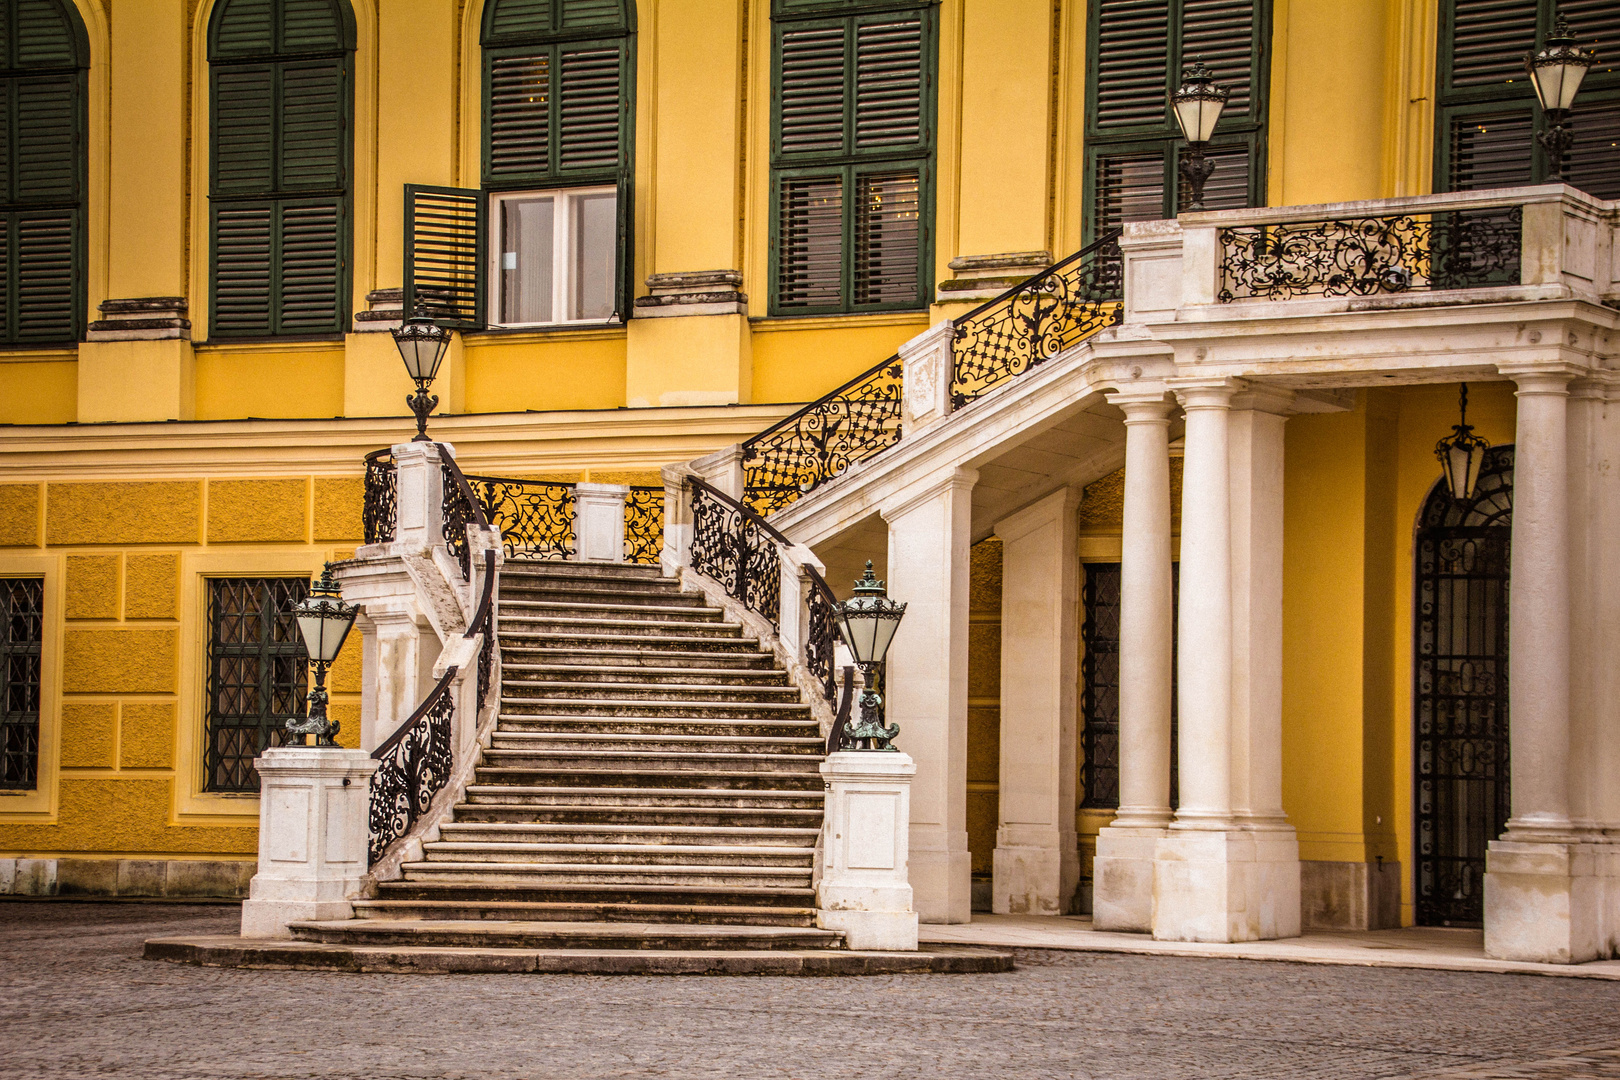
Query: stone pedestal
x: 313, y: 825
x: 865, y: 890
x: 1226, y: 885
x: 599, y: 522
x: 1122, y: 878
x: 1544, y: 901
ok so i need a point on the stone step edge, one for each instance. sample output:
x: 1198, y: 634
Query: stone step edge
x: 663, y: 793
x: 542, y: 847
x: 314, y: 956
x: 543, y: 828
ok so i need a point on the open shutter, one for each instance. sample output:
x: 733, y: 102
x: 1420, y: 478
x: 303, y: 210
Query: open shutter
x: 887, y: 238
x: 445, y: 264
x: 1128, y: 187
x: 624, y: 287
x: 588, y: 111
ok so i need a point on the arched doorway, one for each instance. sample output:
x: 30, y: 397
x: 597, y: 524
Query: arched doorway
x: 1460, y: 692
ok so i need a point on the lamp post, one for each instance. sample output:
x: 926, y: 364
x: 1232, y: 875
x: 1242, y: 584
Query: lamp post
x: 1198, y: 103
x: 867, y: 622
x: 422, y: 344
x: 1462, y: 454
x: 324, y: 621
x: 1556, y: 71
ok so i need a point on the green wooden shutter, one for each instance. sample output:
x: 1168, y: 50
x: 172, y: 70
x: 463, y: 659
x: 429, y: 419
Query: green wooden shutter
x: 243, y: 28
x: 519, y: 18
x: 243, y: 125
x: 1221, y: 34
x: 888, y: 218
x: 577, y: 14
x: 312, y: 125
x: 44, y: 36
x: 518, y: 115
x: 310, y: 25
x: 239, y: 301
x: 47, y: 149
x: 308, y: 298
x: 445, y: 254
x: 889, y: 82
x: 588, y: 111
x: 1489, y: 41
x: 1129, y: 187
x: 1593, y: 164
x: 811, y: 90
x: 1132, y: 58
x: 811, y: 243
x: 46, y: 281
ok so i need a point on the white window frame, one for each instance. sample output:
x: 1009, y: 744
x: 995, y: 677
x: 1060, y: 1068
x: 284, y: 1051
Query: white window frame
x: 564, y: 289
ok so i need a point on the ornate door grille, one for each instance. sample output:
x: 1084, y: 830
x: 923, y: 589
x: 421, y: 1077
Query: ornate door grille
x: 257, y: 674
x: 1460, y: 687
x: 1099, y: 681
x: 22, y: 623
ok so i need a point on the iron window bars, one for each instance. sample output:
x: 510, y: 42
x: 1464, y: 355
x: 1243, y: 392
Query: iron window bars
x: 257, y: 675
x: 22, y: 629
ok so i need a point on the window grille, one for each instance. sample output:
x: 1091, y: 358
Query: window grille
x: 22, y: 629
x: 257, y: 674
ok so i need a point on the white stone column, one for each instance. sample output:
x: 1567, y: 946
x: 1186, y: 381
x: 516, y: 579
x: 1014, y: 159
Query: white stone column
x: 927, y: 685
x: 1037, y: 857
x: 864, y: 889
x: 599, y: 522
x: 1543, y: 892
x: 1122, y: 871
x: 313, y: 827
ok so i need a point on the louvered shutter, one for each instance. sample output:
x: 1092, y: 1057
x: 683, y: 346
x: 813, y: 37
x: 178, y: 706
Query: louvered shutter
x: 1221, y: 34
x: 888, y: 82
x: 1227, y: 187
x: 312, y: 116
x: 445, y: 246
x: 812, y: 90
x: 588, y: 108
x: 1129, y: 187
x: 310, y: 260
x: 310, y: 25
x: 1490, y: 150
x: 579, y: 14
x: 887, y: 238
x: 44, y: 36
x: 1132, y: 59
x: 1594, y: 161
x: 243, y: 259
x: 1489, y: 41
x: 46, y: 281
x: 518, y: 116
x: 243, y: 128
x: 810, y: 248
x: 243, y: 28
x: 519, y: 18
x: 47, y: 149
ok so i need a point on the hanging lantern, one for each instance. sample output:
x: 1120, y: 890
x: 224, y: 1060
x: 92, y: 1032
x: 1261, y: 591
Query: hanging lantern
x: 1462, y: 454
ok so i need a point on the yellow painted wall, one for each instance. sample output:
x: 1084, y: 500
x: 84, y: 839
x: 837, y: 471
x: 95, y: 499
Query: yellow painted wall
x: 801, y: 359
x: 39, y: 391
x: 567, y: 369
x: 253, y: 381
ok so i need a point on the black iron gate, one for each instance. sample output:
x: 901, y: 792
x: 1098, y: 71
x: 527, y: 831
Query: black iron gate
x: 1460, y: 692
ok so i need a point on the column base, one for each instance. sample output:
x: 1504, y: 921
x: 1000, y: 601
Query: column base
x: 1122, y: 878
x: 886, y: 931
x: 1544, y: 901
x: 1226, y: 885
x: 269, y: 918
x: 1034, y: 880
x: 942, y: 884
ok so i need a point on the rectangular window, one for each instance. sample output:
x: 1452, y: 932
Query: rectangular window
x: 555, y: 256
x: 1139, y: 49
x: 257, y: 674
x: 1099, y: 682
x: 22, y: 629
x: 852, y: 156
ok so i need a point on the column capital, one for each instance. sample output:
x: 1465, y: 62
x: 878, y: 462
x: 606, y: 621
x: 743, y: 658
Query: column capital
x: 1542, y: 378
x: 1207, y: 392
x: 1146, y: 406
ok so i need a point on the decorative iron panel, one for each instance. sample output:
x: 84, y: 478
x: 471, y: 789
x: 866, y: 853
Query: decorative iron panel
x: 257, y: 675
x: 735, y: 547
x: 1451, y: 249
x: 22, y: 629
x: 380, y: 515
x: 644, y: 525
x: 819, y: 442
x: 1460, y: 691
x: 536, y: 517
x: 416, y: 764
x: 1036, y: 320
x: 822, y: 641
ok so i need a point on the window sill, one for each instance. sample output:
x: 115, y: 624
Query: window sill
x: 918, y: 317
x: 519, y: 335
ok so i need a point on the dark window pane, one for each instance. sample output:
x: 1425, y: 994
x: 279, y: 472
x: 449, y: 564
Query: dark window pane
x: 257, y: 674
x: 1129, y: 187
x: 1491, y: 151
x: 22, y: 629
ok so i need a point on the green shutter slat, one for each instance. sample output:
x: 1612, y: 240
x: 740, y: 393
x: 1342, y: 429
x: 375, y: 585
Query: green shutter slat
x: 577, y: 14
x: 887, y: 238
x: 47, y: 147
x: 8, y: 275
x: 589, y: 124
x: 1129, y: 187
x: 310, y: 26
x: 1597, y: 27
x: 811, y: 249
x: 1594, y: 161
x: 6, y: 88
x: 45, y: 278
x: 1132, y: 54
x: 444, y: 265
x: 812, y: 90
x: 243, y: 28
x: 1227, y: 187
x: 311, y: 267
x: 1221, y: 33
x: 242, y: 265
x: 1490, y: 39
x: 519, y: 115
x: 312, y: 108
x: 243, y: 128
x: 44, y: 36
x: 888, y: 83
x: 518, y: 18
x: 1491, y: 150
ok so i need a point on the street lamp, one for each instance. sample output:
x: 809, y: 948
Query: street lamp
x: 867, y: 622
x: 1462, y: 454
x: 1556, y: 72
x: 422, y: 345
x: 1198, y: 103
x: 324, y: 621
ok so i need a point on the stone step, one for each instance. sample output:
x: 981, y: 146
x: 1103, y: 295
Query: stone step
x: 466, y: 832
x: 592, y: 815
x: 513, y: 724
x: 425, y: 881
x: 621, y: 630
x: 571, y: 610
x: 733, y: 857
x: 604, y: 776
x: 762, y: 807
x: 516, y: 706
x: 651, y: 761
x: 608, y: 654
x: 546, y: 741
x: 646, y: 911
x: 604, y: 592
x: 603, y: 674
x: 524, y: 641
x: 520, y: 687
x: 519, y: 569
x: 512, y: 934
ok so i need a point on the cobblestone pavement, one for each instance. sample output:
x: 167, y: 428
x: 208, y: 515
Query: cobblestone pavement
x: 77, y: 1001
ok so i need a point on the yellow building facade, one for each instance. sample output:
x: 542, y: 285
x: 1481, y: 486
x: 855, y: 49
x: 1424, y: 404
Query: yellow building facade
x: 164, y: 441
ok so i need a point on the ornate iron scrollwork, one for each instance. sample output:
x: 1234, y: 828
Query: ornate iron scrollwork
x: 536, y: 517
x: 1370, y: 256
x: 816, y: 444
x: 380, y: 512
x: 822, y: 640
x: 416, y: 763
x: 644, y: 525
x: 735, y: 547
x: 1036, y: 320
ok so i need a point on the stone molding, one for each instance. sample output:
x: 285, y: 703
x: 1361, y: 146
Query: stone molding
x: 692, y: 292
x: 984, y: 277
x: 386, y: 312
x: 148, y: 318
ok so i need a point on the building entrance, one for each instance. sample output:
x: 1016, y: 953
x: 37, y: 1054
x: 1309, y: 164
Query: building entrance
x: 1460, y: 691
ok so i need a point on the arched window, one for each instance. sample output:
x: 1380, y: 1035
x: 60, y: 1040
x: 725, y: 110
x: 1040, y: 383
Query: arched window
x: 1487, y: 116
x: 556, y: 158
x: 281, y: 109
x: 45, y: 54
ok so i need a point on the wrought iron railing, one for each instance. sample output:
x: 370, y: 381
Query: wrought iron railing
x: 461, y: 509
x: 822, y: 639
x: 737, y: 548
x: 819, y: 442
x: 1369, y: 256
x: 536, y: 517
x: 380, y: 511
x: 644, y: 525
x: 1037, y: 319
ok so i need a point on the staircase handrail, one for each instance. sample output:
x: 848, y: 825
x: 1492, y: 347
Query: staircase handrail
x: 416, y: 763
x: 461, y: 509
x: 379, y: 513
x: 726, y: 548
x: 822, y: 639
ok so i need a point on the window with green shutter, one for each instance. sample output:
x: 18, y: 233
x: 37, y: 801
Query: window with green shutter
x: 44, y: 57
x: 1138, y: 50
x: 852, y: 155
x: 1486, y: 114
x: 281, y: 111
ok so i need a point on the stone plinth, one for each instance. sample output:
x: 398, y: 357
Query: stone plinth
x: 313, y: 825
x: 1226, y: 885
x: 599, y: 522
x: 1544, y: 901
x: 865, y: 890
